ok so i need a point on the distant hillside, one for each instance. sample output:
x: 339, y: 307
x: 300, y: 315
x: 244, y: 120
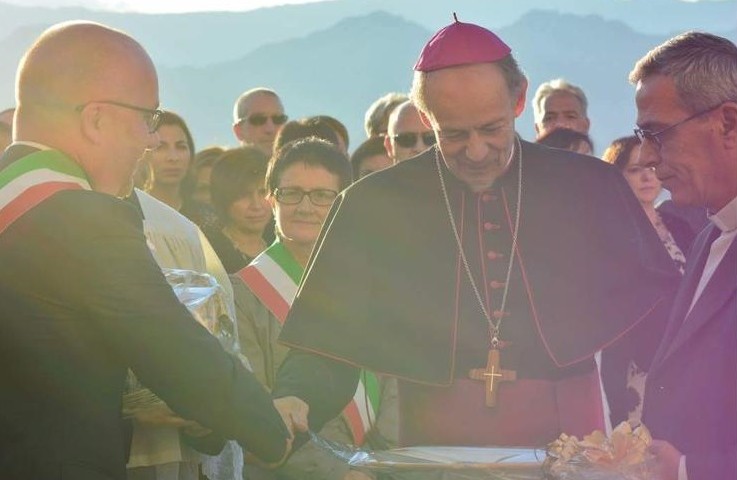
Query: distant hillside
x: 323, y: 62
x: 341, y: 70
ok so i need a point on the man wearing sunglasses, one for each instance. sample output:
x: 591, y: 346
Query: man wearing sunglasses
x: 686, y: 95
x: 258, y: 115
x: 406, y: 135
x: 82, y: 300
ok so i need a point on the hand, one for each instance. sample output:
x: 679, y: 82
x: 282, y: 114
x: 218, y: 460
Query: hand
x: 293, y: 413
x: 254, y: 460
x: 356, y: 475
x: 667, y: 459
x: 162, y: 416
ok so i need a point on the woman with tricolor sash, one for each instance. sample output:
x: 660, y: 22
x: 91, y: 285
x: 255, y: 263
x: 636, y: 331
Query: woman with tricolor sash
x: 302, y: 180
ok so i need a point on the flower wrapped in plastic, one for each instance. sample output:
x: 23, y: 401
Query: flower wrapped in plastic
x: 622, y: 456
x: 205, y: 300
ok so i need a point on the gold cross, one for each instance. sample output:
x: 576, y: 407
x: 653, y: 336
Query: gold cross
x: 489, y: 374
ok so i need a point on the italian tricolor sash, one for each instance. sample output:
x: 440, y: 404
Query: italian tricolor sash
x: 274, y: 277
x: 30, y: 180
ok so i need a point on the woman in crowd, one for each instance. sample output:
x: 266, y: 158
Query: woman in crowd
x: 303, y: 179
x: 675, y: 234
x: 171, y: 180
x: 238, y: 195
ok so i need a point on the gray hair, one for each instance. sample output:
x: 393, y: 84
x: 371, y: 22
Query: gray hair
x: 703, y: 68
x: 513, y: 76
x: 553, y: 86
x: 239, y: 108
x: 378, y: 113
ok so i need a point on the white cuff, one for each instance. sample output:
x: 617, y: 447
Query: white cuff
x: 682, y: 473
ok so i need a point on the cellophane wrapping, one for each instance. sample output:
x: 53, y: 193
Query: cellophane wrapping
x: 205, y: 300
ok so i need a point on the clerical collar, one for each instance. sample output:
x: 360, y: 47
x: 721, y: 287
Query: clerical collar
x: 726, y: 218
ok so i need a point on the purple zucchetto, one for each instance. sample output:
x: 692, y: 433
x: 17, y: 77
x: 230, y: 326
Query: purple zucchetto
x: 460, y: 44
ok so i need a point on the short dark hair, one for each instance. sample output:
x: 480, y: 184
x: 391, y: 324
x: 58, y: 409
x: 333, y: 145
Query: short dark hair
x: 310, y: 151
x: 565, y: 138
x: 305, y: 128
x: 369, y: 148
x: 207, y: 156
x: 233, y: 173
x: 619, y: 151
x: 335, y: 124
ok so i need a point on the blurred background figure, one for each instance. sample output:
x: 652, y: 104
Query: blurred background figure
x: 338, y: 127
x: 676, y: 234
x: 568, y: 139
x: 559, y: 104
x: 305, y: 128
x: 6, y: 128
x: 202, y: 172
x: 376, y: 120
x: 406, y: 135
x: 258, y: 115
x: 171, y: 180
x: 370, y: 157
x: 245, y: 226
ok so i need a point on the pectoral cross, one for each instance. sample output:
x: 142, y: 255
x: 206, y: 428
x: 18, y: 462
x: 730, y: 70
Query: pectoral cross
x: 493, y: 372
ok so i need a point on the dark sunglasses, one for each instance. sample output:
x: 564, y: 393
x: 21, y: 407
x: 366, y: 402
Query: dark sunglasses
x: 409, y: 139
x: 258, y: 119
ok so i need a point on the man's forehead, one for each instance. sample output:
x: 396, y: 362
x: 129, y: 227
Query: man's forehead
x: 561, y: 100
x: 408, y: 120
x: 657, y: 101
x: 262, y: 101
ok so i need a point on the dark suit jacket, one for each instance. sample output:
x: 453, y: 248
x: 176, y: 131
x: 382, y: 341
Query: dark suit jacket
x: 691, y: 392
x: 81, y: 301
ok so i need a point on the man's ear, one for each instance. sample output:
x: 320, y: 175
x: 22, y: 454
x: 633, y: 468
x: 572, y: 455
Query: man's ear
x: 425, y: 119
x: 519, y: 106
x: 91, y: 123
x: 237, y: 131
x: 728, y: 120
x: 388, y: 146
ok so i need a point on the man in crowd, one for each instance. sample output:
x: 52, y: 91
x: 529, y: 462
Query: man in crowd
x: 258, y: 115
x: 559, y: 104
x: 82, y: 299
x: 406, y: 135
x: 376, y: 119
x: 485, y: 273
x: 687, y: 121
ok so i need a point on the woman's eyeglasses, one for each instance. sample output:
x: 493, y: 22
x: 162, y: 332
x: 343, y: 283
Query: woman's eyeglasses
x: 293, y: 196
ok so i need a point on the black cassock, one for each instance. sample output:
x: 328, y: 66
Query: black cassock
x: 386, y: 290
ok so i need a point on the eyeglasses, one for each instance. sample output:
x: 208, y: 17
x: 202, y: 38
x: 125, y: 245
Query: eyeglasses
x: 259, y: 119
x: 643, y: 134
x: 152, y: 117
x: 409, y: 139
x: 292, y: 196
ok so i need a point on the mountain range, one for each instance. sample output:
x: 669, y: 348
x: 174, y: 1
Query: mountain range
x: 336, y: 57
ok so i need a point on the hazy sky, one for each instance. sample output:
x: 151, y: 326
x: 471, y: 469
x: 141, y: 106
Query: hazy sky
x: 158, y: 6
x: 174, y: 6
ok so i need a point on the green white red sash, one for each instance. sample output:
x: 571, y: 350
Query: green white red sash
x: 274, y: 276
x: 30, y: 180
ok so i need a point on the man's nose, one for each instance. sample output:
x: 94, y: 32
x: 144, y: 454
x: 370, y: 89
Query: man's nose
x: 476, y: 148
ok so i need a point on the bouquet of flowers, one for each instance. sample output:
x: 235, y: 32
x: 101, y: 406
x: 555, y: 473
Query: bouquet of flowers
x: 623, y: 456
x: 205, y: 300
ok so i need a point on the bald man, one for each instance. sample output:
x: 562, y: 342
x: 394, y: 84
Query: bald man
x: 82, y: 299
x: 258, y: 116
x: 407, y: 136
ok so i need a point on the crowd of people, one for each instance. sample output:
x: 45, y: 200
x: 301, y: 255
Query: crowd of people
x: 447, y: 283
